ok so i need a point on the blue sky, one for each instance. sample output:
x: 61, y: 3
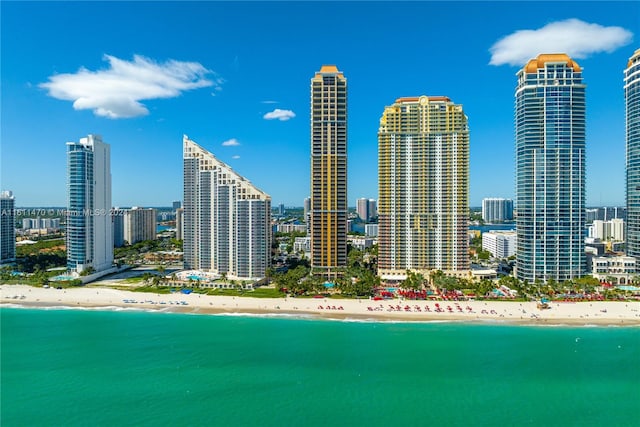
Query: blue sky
x: 142, y: 74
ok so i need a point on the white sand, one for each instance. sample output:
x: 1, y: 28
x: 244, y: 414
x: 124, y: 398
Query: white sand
x: 584, y: 313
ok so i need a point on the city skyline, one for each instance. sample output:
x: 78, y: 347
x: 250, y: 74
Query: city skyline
x: 224, y: 83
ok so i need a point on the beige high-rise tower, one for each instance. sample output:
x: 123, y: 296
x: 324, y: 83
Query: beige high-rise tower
x: 328, y: 213
x: 423, y: 205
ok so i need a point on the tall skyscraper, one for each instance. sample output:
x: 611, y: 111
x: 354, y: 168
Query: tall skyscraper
x: 118, y: 227
x: 89, y: 223
x: 550, y: 169
x: 329, y: 209
x: 632, y: 104
x: 226, y: 220
x: 362, y: 208
x: 7, y: 227
x: 373, y: 209
x: 139, y: 224
x: 497, y: 209
x: 423, y: 205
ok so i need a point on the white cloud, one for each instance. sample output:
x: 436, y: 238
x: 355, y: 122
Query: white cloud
x: 231, y: 143
x: 279, y: 114
x: 269, y: 102
x: 576, y: 38
x: 116, y: 92
x: 235, y: 157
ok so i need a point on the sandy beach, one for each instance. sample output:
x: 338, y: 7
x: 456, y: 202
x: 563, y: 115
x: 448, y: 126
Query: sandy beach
x: 509, y: 312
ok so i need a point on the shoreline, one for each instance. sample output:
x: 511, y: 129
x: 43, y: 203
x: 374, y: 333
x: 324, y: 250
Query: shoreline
x: 598, y: 313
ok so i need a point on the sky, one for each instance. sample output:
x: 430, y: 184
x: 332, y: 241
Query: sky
x: 235, y: 77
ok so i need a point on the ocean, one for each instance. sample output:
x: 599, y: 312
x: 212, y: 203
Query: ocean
x: 105, y: 368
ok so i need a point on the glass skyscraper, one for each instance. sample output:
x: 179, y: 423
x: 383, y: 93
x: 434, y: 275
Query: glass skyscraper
x: 7, y: 227
x: 423, y: 200
x: 328, y: 215
x: 89, y: 226
x: 632, y: 100
x: 550, y: 169
x: 226, y: 223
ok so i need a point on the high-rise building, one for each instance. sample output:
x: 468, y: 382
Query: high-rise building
x: 89, y: 232
x: 7, y: 227
x: 177, y: 205
x: 329, y: 209
x: 632, y: 104
x: 423, y: 205
x: 226, y: 221
x: 550, y: 169
x: 118, y: 227
x: 179, y: 223
x: 362, y: 209
x: 307, y: 207
x: 497, y: 210
x: 139, y: 224
x: 373, y: 209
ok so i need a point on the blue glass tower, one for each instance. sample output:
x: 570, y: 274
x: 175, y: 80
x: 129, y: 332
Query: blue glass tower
x: 550, y: 169
x: 89, y: 224
x: 632, y: 99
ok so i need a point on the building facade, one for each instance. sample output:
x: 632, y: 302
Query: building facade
x: 329, y: 211
x: 423, y: 205
x: 497, y: 210
x: 118, y: 227
x: 7, y: 227
x: 89, y: 224
x: 607, y: 230
x: 139, y: 224
x: 632, y: 108
x: 226, y: 220
x: 179, y: 222
x: 501, y: 244
x: 40, y: 223
x: 362, y: 209
x: 620, y: 270
x: 550, y: 169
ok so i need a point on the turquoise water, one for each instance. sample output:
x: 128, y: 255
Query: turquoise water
x: 73, y: 367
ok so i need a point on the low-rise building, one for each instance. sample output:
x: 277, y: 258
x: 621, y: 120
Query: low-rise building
x: 620, y: 268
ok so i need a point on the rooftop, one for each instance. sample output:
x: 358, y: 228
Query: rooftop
x: 537, y: 63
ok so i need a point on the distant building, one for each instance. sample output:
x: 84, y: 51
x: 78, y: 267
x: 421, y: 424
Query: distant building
x: 40, y: 223
x: 179, y: 223
x: 497, y: 210
x: 281, y: 209
x: 371, y: 230
x: 302, y: 244
x: 607, y: 230
x: 118, y: 227
x: 360, y: 243
x: 227, y: 220
x: 7, y: 227
x: 177, y: 205
x: 373, y: 209
x: 291, y: 228
x: 139, y: 224
x: 501, y: 244
x: 362, y: 209
x: 89, y: 224
x: 605, y: 214
x: 307, y: 208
